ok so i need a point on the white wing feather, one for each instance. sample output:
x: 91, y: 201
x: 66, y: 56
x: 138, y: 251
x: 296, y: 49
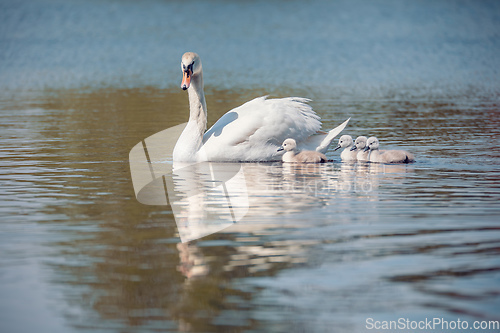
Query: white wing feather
x: 255, y: 130
x: 321, y: 142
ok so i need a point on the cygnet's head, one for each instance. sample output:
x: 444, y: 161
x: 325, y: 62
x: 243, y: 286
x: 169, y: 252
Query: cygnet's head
x: 372, y: 143
x: 190, y: 66
x: 344, y: 142
x: 360, y: 142
x: 288, y: 145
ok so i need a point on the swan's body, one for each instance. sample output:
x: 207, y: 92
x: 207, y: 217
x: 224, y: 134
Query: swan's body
x: 388, y: 156
x: 360, y: 144
x: 294, y: 155
x: 349, y: 153
x: 251, y: 132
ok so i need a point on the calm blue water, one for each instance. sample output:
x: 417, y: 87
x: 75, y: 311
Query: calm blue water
x: 370, y: 47
x: 322, y: 249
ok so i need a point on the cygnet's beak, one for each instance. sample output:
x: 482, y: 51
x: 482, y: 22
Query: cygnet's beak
x: 281, y: 148
x: 186, y: 79
x: 353, y: 148
x: 366, y: 148
x: 338, y: 147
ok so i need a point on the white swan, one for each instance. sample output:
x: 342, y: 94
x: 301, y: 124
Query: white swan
x: 348, y: 154
x: 388, y: 156
x: 360, y: 144
x: 251, y: 132
x: 294, y: 155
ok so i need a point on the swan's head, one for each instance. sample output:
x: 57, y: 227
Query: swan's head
x: 360, y: 142
x: 190, y: 66
x: 288, y: 145
x: 372, y: 143
x: 344, y: 142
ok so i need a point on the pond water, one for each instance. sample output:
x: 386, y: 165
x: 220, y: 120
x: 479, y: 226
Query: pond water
x: 317, y: 248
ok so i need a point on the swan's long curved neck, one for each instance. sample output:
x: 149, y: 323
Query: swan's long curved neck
x: 191, y: 140
x: 197, y: 104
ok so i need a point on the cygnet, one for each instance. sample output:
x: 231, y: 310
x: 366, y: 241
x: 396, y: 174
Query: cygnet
x: 388, y: 156
x: 293, y: 155
x: 359, y: 146
x: 349, y: 153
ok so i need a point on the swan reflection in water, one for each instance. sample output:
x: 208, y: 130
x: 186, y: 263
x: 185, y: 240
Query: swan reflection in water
x: 256, y: 192
x: 208, y: 197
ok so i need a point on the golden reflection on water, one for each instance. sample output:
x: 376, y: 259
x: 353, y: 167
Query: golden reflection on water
x: 116, y: 262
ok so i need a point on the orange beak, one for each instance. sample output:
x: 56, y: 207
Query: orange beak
x: 186, y: 79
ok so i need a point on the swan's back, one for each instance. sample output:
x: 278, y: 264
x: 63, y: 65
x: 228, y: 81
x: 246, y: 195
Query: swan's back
x: 393, y: 156
x: 307, y: 156
x: 310, y: 157
x: 254, y: 131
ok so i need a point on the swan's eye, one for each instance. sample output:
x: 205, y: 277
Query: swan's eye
x: 190, y: 67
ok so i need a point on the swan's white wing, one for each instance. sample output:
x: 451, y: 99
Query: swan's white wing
x: 254, y: 131
x: 324, y: 141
